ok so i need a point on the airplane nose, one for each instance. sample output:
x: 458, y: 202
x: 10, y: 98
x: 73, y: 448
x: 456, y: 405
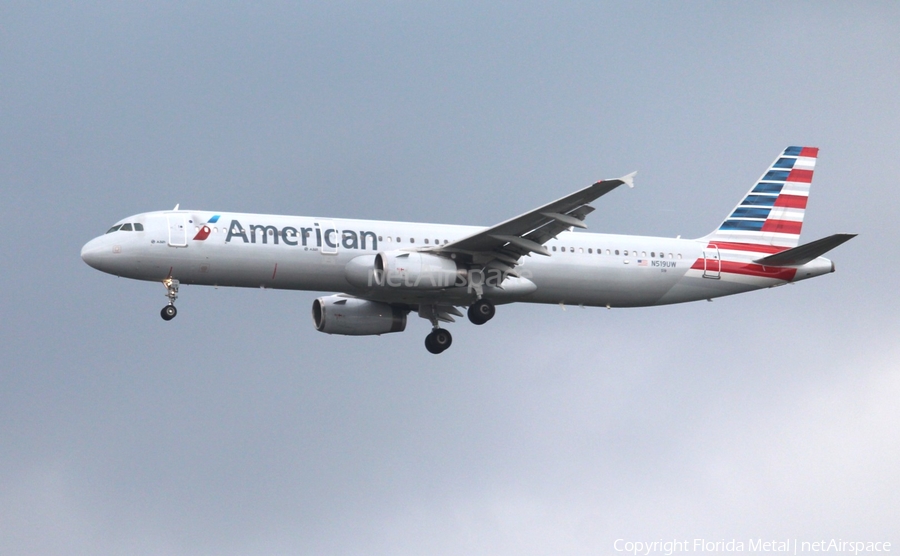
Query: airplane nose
x: 91, y: 253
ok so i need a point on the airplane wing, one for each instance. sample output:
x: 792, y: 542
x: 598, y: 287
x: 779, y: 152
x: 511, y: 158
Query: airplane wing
x: 502, y: 246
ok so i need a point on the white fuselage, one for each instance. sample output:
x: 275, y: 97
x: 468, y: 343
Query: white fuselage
x: 318, y: 254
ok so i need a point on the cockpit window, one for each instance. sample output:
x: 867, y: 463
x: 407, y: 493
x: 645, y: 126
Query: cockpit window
x: 127, y: 227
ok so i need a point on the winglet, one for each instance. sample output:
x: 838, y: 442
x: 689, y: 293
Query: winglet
x: 629, y: 179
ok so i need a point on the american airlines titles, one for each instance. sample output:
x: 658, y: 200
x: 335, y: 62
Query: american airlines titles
x: 306, y: 237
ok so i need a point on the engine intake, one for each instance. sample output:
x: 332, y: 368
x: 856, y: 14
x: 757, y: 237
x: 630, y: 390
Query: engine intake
x: 356, y: 317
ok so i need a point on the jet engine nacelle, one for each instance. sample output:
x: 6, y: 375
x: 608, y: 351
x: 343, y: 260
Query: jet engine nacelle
x: 356, y: 317
x: 417, y: 271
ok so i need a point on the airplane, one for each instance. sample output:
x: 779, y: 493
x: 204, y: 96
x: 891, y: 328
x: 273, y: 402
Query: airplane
x: 381, y: 271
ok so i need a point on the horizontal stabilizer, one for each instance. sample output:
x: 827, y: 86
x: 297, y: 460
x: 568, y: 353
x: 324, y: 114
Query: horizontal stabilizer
x: 799, y: 256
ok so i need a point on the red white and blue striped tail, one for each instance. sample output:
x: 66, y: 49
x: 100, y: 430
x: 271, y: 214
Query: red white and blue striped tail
x: 770, y: 216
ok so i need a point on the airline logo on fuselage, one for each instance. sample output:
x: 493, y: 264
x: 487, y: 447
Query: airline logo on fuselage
x: 313, y: 237
x: 204, y: 230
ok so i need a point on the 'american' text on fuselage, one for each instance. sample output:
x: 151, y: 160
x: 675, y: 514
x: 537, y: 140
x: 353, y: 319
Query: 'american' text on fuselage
x: 349, y: 239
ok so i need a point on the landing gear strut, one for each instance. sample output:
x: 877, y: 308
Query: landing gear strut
x: 481, y: 311
x: 438, y: 340
x: 169, y: 311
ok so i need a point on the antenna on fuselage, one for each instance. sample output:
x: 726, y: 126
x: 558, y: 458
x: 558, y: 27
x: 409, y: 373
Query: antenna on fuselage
x: 176, y: 206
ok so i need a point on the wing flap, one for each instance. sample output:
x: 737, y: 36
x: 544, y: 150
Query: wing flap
x: 523, y: 243
x: 566, y: 219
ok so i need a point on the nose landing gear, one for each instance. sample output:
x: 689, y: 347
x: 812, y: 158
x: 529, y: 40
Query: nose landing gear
x: 169, y: 311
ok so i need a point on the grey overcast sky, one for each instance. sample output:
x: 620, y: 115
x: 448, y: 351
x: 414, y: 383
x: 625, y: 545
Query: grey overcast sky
x: 238, y: 429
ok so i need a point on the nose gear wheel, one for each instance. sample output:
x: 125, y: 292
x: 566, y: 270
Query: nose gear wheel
x: 168, y: 312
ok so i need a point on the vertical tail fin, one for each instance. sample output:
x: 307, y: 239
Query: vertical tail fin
x: 771, y: 213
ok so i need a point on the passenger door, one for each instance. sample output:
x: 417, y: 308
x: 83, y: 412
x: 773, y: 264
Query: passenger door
x: 177, y: 229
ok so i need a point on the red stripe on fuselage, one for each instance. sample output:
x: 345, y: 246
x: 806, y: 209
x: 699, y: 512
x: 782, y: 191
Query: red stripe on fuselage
x: 791, y: 201
x: 754, y: 247
x: 782, y: 226
x: 746, y: 269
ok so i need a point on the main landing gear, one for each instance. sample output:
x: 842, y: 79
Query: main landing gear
x: 439, y: 340
x: 169, y: 311
x: 481, y: 311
